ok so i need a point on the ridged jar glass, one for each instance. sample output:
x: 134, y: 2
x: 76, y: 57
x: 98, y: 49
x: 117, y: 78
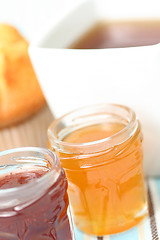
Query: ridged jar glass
x: 33, y: 196
x: 100, y: 149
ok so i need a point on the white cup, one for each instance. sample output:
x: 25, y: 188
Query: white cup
x: 72, y: 78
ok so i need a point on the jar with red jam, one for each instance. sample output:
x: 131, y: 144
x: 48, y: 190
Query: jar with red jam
x: 33, y: 196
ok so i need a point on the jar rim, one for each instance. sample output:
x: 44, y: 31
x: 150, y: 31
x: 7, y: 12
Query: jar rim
x: 35, y: 184
x: 86, y: 147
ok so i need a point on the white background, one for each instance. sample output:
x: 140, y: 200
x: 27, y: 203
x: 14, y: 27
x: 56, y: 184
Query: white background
x: 29, y: 16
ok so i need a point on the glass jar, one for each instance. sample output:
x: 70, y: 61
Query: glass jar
x: 100, y: 149
x: 33, y: 196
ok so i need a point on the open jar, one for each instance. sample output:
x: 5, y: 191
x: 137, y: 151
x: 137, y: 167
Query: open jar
x: 33, y: 196
x: 100, y: 149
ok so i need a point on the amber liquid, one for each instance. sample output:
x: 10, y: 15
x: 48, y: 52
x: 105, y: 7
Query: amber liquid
x: 120, y: 34
x: 46, y: 218
x: 106, y: 189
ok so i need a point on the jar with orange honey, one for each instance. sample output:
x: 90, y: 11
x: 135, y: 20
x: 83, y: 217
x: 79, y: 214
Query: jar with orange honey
x: 100, y: 149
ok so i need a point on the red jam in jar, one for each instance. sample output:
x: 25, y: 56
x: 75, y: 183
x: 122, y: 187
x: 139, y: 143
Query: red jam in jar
x: 33, y: 196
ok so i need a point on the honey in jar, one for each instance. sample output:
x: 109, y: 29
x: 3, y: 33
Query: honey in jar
x: 100, y: 148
